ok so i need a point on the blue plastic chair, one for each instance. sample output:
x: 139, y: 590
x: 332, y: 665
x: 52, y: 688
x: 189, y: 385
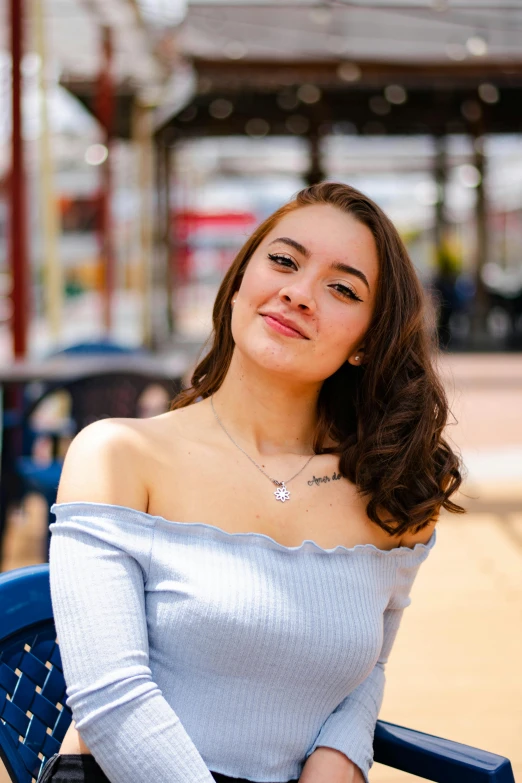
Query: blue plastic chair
x: 20, y: 474
x: 33, y: 715
x: 99, y: 347
x: 34, y: 718
x: 95, y: 395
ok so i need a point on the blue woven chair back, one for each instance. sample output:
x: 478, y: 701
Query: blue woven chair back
x: 33, y: 716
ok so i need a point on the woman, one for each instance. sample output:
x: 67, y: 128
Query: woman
x: 228, y: 577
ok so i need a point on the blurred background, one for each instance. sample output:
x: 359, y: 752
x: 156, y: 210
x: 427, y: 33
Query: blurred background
x: 141, y: 141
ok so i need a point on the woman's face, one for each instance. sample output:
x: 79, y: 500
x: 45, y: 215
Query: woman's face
x: 317, y: 272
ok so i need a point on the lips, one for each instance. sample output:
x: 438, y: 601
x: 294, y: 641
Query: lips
x: 291, y: 326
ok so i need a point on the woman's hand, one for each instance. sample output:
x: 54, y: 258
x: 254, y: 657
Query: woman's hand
x: 327, y: 765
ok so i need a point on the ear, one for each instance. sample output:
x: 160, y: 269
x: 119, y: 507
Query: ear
x: 356, y: 358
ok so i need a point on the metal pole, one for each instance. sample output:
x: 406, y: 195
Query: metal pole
x: 142, y: 134
x: 479, y: 334
x: 20, y: 295
x: 53, y: 273
x: 315, y: 173
x: 161, y: 277
x: 167, y: 239
x: 441, y: 175
x: 105, y: 114
x: 157, y: 280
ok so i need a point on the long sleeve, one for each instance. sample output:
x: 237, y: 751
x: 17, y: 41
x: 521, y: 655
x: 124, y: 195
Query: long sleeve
x: 98, y: 572
x: 350, y: 728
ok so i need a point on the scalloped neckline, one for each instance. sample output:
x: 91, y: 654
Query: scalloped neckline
x: 306, y: 544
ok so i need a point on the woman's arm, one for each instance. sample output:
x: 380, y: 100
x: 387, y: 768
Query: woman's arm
x: 99, y: 563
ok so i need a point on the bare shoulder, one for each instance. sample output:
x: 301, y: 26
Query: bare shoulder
x: 103, y: 464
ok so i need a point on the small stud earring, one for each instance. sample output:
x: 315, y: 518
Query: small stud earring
x: 357, y: 358
x: 233, y: 301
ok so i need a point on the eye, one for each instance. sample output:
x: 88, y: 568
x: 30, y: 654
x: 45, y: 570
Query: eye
x: 348, y: 293
x: 287, y: 262
x: 280, y: 260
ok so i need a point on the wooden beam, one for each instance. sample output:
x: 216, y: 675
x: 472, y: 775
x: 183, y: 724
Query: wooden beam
x: 375, y: 73
x: 438, y: 97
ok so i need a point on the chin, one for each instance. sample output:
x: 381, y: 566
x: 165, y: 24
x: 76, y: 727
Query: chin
x: 280, y: 361
x: 271, y: 356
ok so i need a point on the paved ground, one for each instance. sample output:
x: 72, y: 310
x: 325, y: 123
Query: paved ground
x: 455, y: 667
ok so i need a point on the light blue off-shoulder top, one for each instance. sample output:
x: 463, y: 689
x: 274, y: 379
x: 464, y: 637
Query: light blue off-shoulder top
x: 186, y: 648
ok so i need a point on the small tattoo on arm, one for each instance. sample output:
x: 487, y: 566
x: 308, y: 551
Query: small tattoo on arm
x: 324, y: 479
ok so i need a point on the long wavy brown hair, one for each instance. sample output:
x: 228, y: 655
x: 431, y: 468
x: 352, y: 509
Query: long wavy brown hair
x: 386, y: 416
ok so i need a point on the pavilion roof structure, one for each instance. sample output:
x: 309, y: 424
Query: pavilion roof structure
x: 367, y: 66
x: 254, y: 55
x: 261, y: 97
x: 406, y: 30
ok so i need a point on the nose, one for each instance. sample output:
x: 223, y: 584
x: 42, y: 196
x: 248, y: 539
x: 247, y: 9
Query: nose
x: 298, y: 296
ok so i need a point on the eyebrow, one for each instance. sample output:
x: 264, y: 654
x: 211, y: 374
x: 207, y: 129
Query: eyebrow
x: 337, y: 265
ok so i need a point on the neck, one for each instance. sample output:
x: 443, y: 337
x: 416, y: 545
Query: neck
x: 266, y: 412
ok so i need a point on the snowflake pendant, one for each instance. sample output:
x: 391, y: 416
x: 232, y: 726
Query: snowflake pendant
x: 282, y: 493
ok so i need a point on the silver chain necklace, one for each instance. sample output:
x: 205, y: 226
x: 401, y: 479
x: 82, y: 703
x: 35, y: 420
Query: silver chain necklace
x: 281, y: 492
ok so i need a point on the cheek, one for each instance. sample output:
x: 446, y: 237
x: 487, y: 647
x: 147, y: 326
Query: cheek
x: 339, y: 336
x: 256, y: 285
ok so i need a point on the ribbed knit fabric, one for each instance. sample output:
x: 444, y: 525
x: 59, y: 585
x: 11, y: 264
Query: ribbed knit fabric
x: 187, y: 649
